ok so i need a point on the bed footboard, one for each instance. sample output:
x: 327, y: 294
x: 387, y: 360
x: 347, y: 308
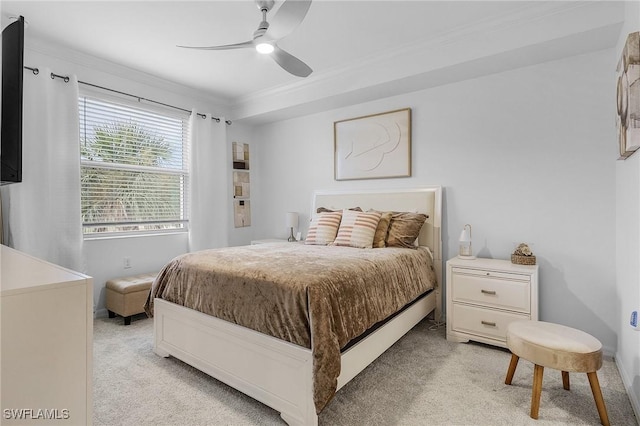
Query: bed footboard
x: 272, y: 371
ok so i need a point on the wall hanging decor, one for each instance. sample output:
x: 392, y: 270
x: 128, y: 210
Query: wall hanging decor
x: 374, y: 146
x: 241, y: 185
x: 628, y: 94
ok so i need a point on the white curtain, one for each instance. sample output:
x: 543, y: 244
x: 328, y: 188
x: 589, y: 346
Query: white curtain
x: 42, y: 213
x: 209, y: 194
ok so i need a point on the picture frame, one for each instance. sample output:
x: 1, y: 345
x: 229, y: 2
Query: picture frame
x: 375, y: 146
x: 628, y: 97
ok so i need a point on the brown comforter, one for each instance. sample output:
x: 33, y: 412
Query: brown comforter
x: 319, y: 297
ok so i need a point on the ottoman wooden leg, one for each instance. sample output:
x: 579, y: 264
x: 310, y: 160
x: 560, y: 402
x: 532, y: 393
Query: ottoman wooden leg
x: 112, y: 314
x: 597, y: 396
x: 512, y: 369
x: 127, y: 320
x: 538, y: 372
x: 565, y: 380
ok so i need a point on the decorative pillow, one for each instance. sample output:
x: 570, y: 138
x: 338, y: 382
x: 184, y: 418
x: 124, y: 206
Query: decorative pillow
x: 357, y: 229
x: 323, y: 228
x: 324, y: 209
x: 404, y: 229
x: 381, y: 231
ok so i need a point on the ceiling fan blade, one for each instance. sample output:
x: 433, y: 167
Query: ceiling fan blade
x: 288, y: 17
x: 290, y: 63
x: 242, y: 45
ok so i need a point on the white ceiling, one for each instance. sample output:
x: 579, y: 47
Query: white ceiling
x: 335, y: 37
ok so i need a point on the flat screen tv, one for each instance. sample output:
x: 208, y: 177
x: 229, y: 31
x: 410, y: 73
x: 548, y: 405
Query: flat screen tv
x: 11, y: 117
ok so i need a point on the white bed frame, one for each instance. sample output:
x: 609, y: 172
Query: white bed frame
x: 278, y: 373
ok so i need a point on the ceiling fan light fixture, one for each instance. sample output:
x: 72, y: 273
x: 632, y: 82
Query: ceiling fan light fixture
x: 265, y: 48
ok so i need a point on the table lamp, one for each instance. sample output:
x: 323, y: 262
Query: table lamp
x: 465, y: 251
x: 292, y: 222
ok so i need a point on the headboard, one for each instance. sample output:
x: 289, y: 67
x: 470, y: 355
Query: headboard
x: 426, y: 200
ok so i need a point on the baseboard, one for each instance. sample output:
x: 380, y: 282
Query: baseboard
x: 628, y: 385
x: 101, y: 313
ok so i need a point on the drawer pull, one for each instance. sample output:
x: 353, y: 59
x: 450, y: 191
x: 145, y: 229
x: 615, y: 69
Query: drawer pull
x: 487, y: 292
x: 492, y: 324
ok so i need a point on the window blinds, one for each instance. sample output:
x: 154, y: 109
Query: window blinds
x: 134, y: 169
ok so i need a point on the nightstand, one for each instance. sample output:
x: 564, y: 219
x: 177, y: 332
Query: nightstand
x: 268, y: 240
x: 485, y: 295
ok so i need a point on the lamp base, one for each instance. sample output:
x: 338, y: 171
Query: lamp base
x: 466, y: 257
x: 291, y: 238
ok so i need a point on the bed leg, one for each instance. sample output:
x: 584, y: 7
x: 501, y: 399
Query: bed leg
x: 161, y: 353
x: 295, y: 421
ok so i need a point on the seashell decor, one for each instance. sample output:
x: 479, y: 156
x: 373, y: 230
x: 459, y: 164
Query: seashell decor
x: 523, y: 255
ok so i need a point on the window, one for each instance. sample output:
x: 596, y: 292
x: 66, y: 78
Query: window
x: 134, y: 169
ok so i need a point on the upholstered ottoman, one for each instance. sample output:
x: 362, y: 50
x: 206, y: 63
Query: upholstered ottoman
x: 555, y: 346
x: 126, y: 296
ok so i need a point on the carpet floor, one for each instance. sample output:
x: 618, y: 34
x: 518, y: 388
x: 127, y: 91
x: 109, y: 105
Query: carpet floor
x: 421, y: 380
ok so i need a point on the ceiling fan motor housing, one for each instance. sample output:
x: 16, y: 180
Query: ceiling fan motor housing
x: 265, y: 4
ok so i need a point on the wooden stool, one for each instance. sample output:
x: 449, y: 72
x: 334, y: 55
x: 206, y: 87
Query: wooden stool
x: 126, y: 296
x: 559, y: 347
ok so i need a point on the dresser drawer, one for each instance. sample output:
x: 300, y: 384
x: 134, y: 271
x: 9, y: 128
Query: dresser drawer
x: 483, y: 322
x: 489, y: 290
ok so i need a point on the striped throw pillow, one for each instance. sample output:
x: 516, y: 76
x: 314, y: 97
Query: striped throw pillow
x: 357, y: 229
x: 323, y: 228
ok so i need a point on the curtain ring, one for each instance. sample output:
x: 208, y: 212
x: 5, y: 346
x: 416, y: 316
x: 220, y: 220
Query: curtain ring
x: 217, y: 119
x: 66, y: 79
x: 35, y: 71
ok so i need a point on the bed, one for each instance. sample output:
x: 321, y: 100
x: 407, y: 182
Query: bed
x: 296, y: 358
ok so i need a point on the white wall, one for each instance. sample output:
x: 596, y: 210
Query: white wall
x: 103, y: 258
x: 524, y: 156
x: 628, y: 250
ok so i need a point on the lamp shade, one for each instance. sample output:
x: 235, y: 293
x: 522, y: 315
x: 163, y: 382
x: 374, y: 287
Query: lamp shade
x: 465, y: 250
x: 292, y: 220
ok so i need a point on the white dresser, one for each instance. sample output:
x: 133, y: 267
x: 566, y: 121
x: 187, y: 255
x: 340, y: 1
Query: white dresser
x: 485, y: 295
x: 46, y: 326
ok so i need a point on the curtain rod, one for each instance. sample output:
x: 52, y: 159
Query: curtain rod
x: 36, y: 71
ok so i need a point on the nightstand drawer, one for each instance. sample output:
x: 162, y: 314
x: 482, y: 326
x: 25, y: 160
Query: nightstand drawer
x: 490, y: 291
x: 483, y: 322
x: 491, y: 274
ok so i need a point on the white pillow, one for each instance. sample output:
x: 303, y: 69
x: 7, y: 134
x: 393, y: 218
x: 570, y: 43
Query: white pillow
x: 357, y: 229
x: 323, y: 228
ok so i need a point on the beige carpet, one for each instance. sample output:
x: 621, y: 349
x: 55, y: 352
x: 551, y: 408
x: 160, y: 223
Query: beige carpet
x: 421, y: 380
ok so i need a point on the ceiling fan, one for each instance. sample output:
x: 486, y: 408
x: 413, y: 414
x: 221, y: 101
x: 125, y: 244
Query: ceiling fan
x: 265, y: 38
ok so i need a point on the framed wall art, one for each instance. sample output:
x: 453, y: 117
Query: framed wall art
x: 374, y: 146
x: 241, y: 185
x: 628, y: 95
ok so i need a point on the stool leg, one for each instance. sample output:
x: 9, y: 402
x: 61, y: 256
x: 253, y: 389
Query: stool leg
x: 127, y: 320
x: 512, y: 369
x: 538, y: 372
x: 112, y: 314
x: 597, y: 395
x: 565, y: 380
